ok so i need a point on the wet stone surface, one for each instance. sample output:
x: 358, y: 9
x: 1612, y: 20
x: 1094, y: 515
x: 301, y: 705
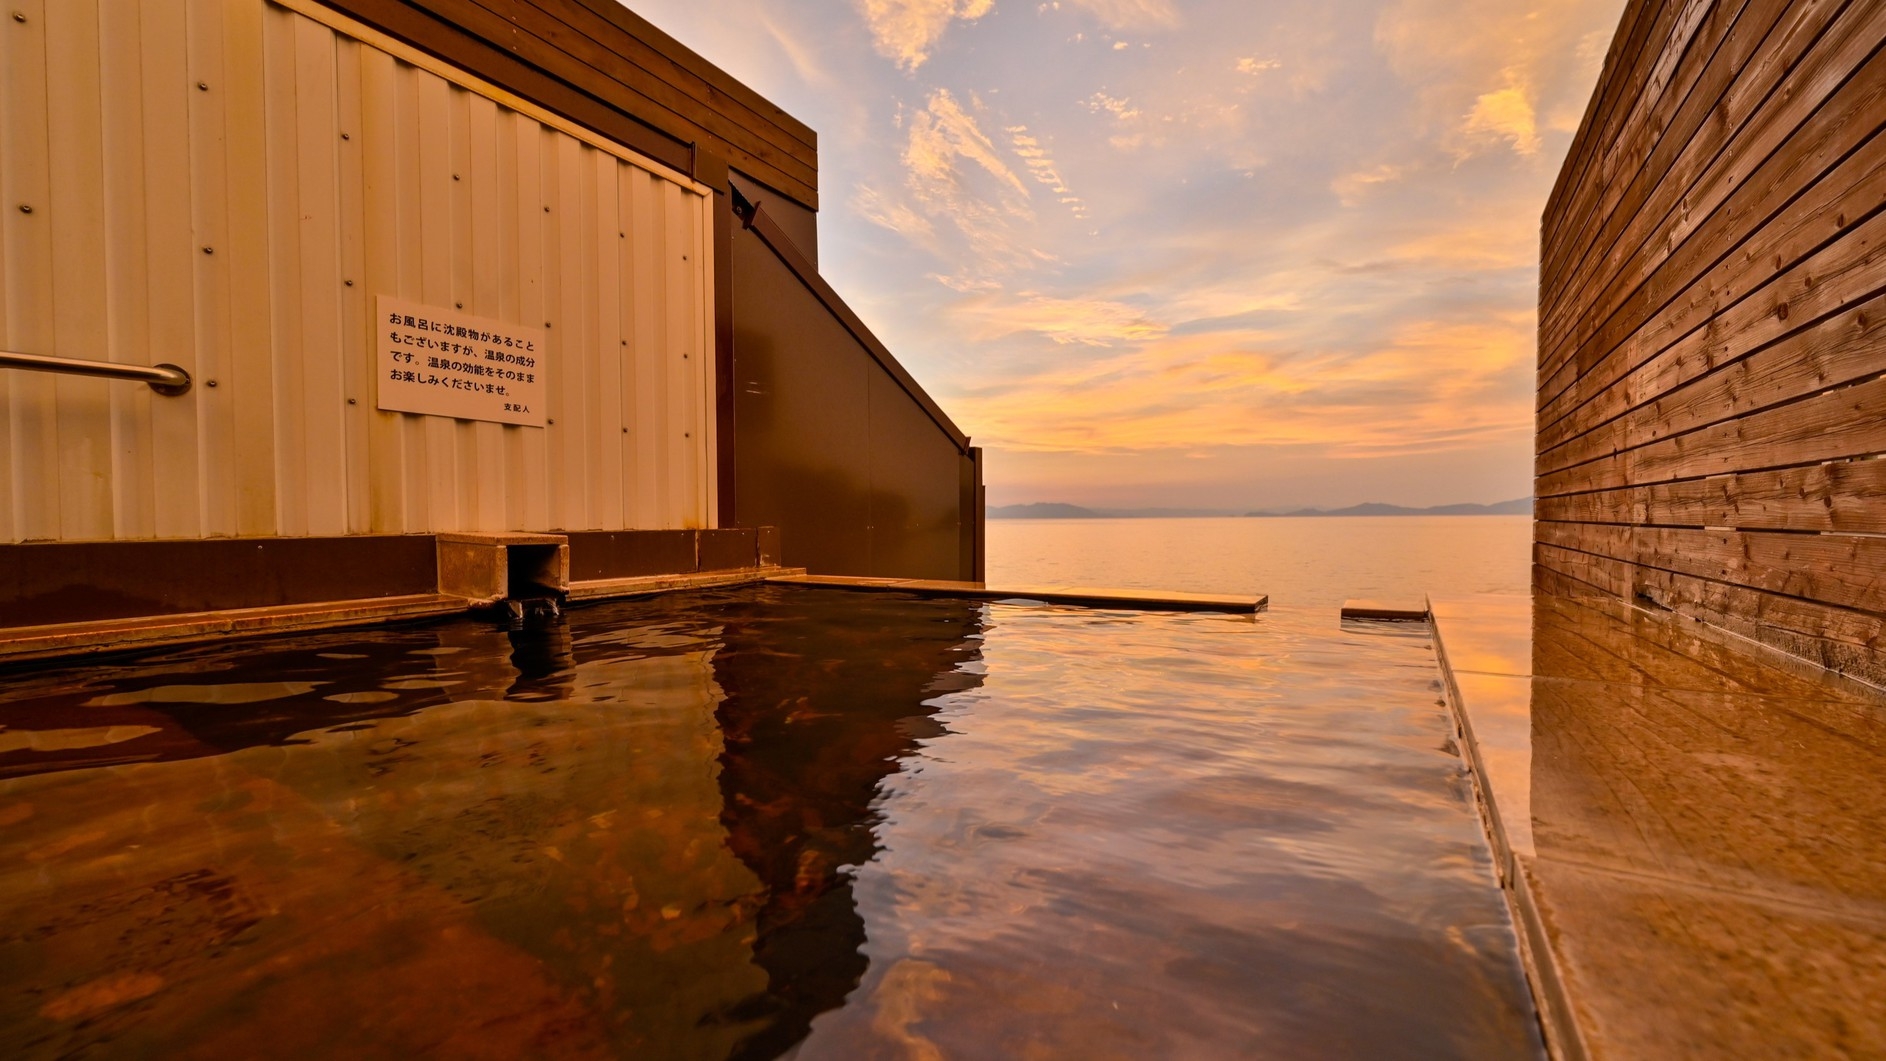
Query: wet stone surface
x: 744, y: 823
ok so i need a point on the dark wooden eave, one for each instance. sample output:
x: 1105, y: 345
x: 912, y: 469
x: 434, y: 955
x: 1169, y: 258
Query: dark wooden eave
x: 602, y: 66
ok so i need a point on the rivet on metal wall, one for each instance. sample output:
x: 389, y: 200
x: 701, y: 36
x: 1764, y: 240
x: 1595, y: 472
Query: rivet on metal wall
x: 454, y: 176
x: 26, y: 208
x: 351, y: 401
x: 460, y: 305
x: 19, y: 16
x: 625, y: 430
x: 550, y: 419
x: 209, y: 383
x: 622, y: 235
x: 347, y: 136
x: 202, y: 86
x: 546, y: 324
x: 546, y: 209
x: 207, y: 249
x: 625, y: 342
x: 687, y: 434
x: 349, y: 283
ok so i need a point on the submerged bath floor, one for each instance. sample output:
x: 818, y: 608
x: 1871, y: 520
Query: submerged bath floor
x: 753, y: 823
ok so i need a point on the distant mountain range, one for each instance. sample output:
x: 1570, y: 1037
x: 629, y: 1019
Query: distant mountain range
x: 1521, y: 506
x: 1057, y: 510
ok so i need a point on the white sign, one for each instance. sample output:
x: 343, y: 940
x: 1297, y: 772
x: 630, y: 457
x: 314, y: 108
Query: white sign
x: 445, y: 362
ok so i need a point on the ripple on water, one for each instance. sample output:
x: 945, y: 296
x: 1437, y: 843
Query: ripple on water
x: 738, y: 823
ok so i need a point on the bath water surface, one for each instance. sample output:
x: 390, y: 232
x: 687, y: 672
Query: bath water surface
x: 755, y: 823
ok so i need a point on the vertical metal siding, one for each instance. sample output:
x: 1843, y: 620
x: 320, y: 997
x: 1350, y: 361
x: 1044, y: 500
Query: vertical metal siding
x: 232, y: 183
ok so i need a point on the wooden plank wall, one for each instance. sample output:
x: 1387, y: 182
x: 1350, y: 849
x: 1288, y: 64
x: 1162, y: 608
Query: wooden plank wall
x: 1712, y: 326
x: 607, y: 65
x: 227, y: 185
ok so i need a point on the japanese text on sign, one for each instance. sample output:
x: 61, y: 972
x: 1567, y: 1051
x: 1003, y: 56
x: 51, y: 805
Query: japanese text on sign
x: 447, y: 363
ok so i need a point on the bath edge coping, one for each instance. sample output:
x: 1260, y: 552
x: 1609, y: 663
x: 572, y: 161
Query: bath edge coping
x: 78, y: 640
x: 1558, y: 1019
x: 1079, y: 596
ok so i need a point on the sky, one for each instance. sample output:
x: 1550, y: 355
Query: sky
x: 1217, y: 254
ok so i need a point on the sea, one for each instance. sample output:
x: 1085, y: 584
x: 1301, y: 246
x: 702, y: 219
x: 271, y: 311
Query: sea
x: 1312, y: 562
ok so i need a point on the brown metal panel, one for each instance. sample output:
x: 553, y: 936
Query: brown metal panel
x: 762, y: 224
x: 836, y: 444
x: 800, y: 223
x: 916, y: 489
x: 629, y: 554
x: 726, y: 408
x: 728, y: 548
x: 975, y: 542
x: 801, y: 392
x: 62, y: 582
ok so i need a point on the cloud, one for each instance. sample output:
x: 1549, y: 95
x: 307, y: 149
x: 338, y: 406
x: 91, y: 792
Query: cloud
x: 803, y: 56
x: 1042, y: 168
x: 943, y: 135
x: 1350, y: 188
x: 1317, y: 236
x: 904, y: 31
x: 1483, y: 71
x: 961, y: 199
x: 1431, y: 387
x: 1121, y: 109
x: 1505, y: 114
x: 1063, y: 321
x: 893, y: 215
x: 1130, y: 14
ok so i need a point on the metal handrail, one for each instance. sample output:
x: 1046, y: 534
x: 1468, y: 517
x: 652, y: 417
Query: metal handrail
x: 167, y: 380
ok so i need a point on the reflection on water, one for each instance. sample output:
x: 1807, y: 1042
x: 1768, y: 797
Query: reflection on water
x: 815, y: 716
x: 747, y: 823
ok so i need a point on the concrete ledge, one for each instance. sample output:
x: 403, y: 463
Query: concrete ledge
x: 63, y: 640
x: 1687, y: 834
x: 1380, y: 612
x: 1084, y: 596
x: 646, y: 585
x: 1485, y: 644
x: 23, y: 643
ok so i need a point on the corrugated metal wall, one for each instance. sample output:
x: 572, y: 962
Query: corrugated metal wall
x: 226, y: 185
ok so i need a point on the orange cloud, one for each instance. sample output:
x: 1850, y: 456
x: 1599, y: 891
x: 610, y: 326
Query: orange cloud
x: 1063, y: 321
x: 904, y: 31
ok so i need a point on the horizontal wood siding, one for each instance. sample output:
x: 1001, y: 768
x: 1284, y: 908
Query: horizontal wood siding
x: 1712, y: 326
x: 231, y: 186
x: 596, y: 62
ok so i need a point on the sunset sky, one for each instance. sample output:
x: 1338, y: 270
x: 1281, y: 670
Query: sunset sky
x: 1224, y: 254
